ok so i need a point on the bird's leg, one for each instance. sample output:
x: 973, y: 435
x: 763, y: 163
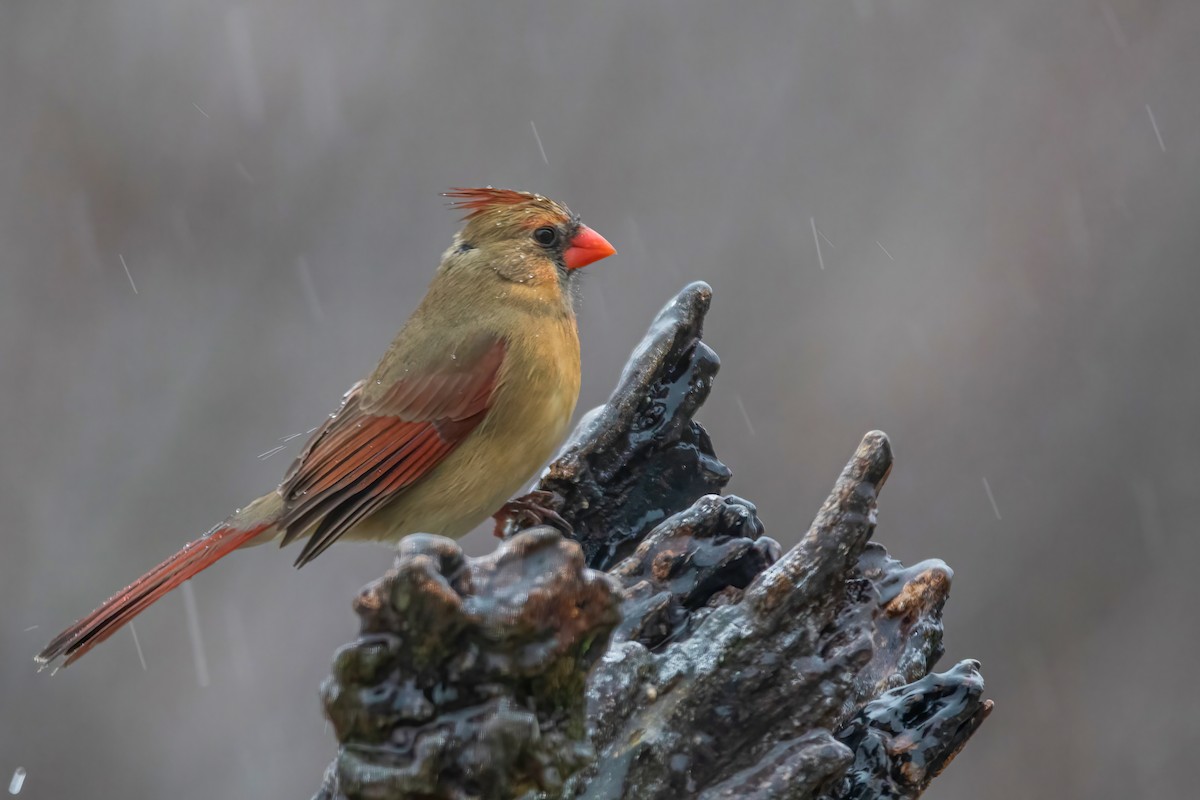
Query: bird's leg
x: 535, y: 508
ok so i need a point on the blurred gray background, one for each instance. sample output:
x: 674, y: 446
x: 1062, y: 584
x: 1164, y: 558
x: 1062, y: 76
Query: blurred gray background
x: 1008, y: 289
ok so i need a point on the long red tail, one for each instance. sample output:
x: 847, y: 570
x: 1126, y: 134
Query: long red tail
x: 122, y: 607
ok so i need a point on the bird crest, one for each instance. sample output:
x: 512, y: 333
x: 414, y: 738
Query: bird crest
x: 477, y: 202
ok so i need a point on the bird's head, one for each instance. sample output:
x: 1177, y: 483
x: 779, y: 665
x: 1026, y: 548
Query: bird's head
x: 523, y: 239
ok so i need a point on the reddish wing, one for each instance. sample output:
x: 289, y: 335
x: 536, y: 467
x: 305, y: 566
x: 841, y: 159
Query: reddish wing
x: 368, y: 452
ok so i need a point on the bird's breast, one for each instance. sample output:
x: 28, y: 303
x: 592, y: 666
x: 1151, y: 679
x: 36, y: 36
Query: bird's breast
x: 536, y: 394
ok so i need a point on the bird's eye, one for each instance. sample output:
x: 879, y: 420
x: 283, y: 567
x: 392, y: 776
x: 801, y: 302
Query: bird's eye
x: 545, y: 236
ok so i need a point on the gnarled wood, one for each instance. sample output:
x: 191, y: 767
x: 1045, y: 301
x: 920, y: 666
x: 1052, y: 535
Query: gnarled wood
x: 719, y: 666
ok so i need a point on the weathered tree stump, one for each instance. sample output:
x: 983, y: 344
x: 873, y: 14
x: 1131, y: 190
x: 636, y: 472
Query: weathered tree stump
x: 670, y: 649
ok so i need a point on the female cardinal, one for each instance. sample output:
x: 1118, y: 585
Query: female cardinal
x: 471, y: 398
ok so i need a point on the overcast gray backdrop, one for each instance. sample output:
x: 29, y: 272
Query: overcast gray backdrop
x: 1008, y: 289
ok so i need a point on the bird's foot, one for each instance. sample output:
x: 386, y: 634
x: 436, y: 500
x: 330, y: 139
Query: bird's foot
x: 535, y: 508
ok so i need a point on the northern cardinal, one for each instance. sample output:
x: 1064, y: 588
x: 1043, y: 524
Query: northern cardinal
x: 472, y: 397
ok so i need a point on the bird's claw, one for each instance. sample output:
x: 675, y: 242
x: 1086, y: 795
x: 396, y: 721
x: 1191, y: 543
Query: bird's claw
x: 535, y: 508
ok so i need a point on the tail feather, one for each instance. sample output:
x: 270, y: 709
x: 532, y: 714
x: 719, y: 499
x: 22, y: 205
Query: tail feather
x: 122, y: 607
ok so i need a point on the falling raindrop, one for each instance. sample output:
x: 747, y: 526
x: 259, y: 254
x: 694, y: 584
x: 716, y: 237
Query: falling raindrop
x: 309, y: 289
x: 134, y: 285
x: 137, y: 645
x: 742, y: 407
x: 813, y: 222
x: 987, y: 488
x: 18, y: 780
x: 241, y: 45
x: 541, y: 149
x: 1154, y: 124
x: 193, y: 620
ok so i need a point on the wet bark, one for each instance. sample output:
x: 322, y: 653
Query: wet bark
x: 668, y: 648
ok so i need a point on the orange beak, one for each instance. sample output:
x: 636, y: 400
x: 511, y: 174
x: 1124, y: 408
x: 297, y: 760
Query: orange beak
x: 586, y: 247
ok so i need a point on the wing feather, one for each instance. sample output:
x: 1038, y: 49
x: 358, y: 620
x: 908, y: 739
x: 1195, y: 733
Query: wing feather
x: 371, y: 450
